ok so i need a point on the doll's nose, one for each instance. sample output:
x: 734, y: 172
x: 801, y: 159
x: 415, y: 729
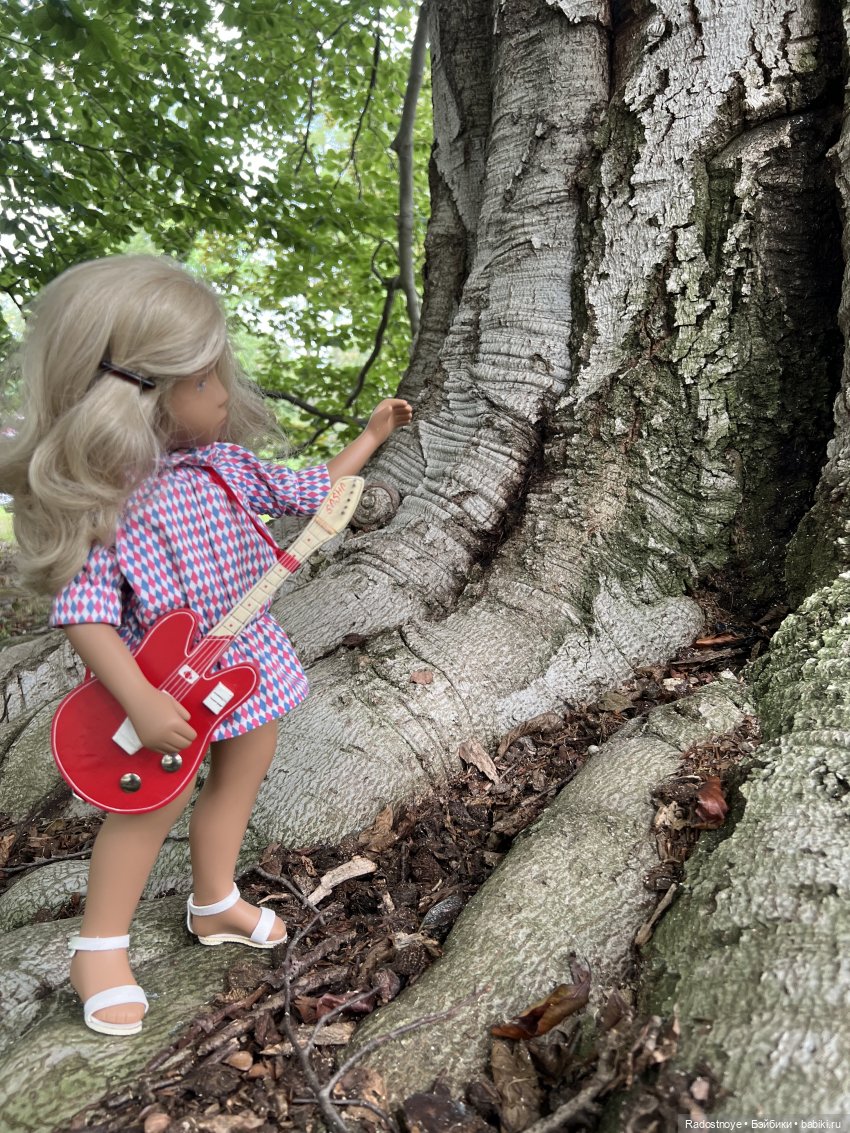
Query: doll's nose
x: 223, y: 395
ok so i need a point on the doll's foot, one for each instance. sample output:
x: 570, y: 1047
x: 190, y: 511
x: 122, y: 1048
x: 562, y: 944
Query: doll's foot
x: 113, y: 1003
x: 234, y: 921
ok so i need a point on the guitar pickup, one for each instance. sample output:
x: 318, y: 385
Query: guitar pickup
x: 218, y: 698
x: 127, y: 738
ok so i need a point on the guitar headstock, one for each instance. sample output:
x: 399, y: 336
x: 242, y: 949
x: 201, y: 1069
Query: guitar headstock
x: 340, y: 504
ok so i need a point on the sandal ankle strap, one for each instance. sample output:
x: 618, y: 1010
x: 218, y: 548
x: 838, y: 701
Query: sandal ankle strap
x: 97, y: 943
x: 219, y: 907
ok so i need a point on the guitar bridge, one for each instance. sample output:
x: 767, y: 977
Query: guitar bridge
x: 218, y: 698
x: 127, y: 738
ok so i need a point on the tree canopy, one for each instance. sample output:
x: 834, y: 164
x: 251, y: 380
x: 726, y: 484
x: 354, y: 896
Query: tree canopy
x: 247, y: 137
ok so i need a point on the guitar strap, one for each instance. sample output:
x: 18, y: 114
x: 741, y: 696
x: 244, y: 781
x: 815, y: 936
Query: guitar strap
x: 283, y: 557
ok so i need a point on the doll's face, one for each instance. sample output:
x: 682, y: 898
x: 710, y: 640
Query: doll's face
x: 198, y: 404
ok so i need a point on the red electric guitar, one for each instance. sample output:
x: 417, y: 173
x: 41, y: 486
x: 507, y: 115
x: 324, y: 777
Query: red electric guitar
x: 94, y: 744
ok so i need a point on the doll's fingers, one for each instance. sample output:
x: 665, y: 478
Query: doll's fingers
x: 187, y: 734
x: 184, y: 713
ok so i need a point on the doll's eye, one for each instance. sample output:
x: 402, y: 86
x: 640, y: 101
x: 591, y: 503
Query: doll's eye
x: 201, y: 385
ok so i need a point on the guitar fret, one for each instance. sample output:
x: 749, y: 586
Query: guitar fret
x: 268, y: 585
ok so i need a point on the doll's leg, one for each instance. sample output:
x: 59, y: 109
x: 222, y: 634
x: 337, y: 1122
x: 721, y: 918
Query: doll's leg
x: 124, y: 852
x: 219, y: 821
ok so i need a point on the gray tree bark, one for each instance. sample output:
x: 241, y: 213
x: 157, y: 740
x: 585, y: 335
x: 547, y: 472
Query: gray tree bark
x: 623, y: 382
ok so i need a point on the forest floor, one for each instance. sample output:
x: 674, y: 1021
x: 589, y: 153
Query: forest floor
x: 239, y: 1067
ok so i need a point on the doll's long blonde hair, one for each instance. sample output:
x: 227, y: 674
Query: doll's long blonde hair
x: 83, y: 439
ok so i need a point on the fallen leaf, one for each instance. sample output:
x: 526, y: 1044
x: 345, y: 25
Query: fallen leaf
x: 541, y: 1017
x: 711, y: 806
x: 669, y: 816
x: 356, y: 867
x: 545, y: 722
x: 615, y: 1008
x: 428, y: 1113
x: 518, y: 1085
x: 305, y: 1005
x: 379, y: 836
x: 718, y: 639
x: 471, y: 751
x: 365, y: 1084
x: 422, y: 677
x: 387, y: 984
x: 616, y: 701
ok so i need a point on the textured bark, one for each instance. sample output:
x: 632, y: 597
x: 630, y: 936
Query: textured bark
x: 623, y: 382
x: 570, y: 886
x: 768, y: 913
x: 50, y: 1065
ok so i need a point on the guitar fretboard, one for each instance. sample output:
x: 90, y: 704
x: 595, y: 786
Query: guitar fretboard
x: 232, y: 624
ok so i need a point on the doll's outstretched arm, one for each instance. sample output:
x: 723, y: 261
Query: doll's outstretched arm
x: 160, y: 721
x: 388, y: 415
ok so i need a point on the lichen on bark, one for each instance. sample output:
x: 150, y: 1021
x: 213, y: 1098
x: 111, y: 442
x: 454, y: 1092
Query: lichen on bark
x: 755, y: 953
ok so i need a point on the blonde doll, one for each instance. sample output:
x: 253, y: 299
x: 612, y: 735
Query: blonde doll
x: 130, y: 396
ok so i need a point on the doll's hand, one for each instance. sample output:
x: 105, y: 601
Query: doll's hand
x: 387, y: 416
x: 160, y: 721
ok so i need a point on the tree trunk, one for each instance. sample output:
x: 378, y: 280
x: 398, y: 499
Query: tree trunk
x: 623, y: 388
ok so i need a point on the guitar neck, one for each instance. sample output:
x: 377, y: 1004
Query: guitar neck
x: 232, y: 624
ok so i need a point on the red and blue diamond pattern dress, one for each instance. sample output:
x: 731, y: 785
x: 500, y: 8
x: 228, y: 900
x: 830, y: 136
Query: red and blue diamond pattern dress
x: 182, y: 542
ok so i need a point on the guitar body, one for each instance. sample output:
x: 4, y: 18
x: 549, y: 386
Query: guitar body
x: 98, y: 766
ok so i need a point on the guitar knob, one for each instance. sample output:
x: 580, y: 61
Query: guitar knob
x: 172, y: 762
x: 129, y: 782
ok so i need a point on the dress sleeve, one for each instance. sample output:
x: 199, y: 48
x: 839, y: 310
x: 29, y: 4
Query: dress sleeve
x: 94, y: 594
x: 268, y: 488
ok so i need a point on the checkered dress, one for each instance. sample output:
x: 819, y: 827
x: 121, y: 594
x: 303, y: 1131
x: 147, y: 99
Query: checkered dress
x: 182, y: 542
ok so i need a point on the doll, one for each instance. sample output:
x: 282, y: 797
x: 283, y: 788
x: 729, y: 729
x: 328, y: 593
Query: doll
x: 130, y: 394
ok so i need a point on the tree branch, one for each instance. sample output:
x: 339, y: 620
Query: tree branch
x: 403, y: 146
x: 311, y: 440
x: 373, y: 78
x: 331, y: 418
x: 392, y: 286
x: 305, y: 145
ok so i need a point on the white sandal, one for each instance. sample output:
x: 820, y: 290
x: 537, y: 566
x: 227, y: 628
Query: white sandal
x: 259, y: 938
x: 112, y: 996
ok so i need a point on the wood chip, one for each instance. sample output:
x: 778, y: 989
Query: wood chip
x: 335, y: 1034
x: 239, y: 1060
x: 356, y: 867
x: 644, y: 933
x: 157, y: 1123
